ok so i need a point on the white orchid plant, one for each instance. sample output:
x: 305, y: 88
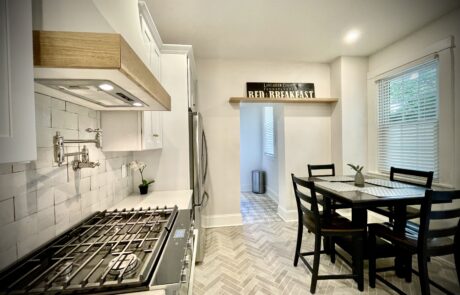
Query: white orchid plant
x: 140, y: 166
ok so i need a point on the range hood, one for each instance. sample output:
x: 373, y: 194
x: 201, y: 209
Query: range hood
x: 97, y: 70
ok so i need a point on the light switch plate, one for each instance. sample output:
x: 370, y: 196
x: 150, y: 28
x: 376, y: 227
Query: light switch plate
x: 124, y: 171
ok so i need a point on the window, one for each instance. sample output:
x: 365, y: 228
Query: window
x: 268, y: 132
x: 408, y: 119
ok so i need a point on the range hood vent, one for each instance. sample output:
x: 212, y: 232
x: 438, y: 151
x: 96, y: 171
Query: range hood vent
x: 97, y: 70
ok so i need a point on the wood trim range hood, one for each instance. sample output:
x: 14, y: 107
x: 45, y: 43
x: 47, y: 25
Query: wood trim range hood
x: 97, y: 70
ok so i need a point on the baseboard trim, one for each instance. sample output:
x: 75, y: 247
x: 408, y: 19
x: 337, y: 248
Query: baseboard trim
x: 287, y: 215
x: 246, y: 187
x: 272, y: 195
x: 210, y: 221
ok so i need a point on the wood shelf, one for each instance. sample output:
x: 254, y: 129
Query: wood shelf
x: 281, y: 100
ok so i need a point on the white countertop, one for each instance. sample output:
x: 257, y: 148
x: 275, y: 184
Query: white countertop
x: 182, y: 199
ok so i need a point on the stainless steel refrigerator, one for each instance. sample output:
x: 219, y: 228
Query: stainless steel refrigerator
x: 198, y: 173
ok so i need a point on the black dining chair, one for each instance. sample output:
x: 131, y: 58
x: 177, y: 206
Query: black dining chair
x: 425, y: 243
x: 325, y: 170
x: 327, y: 226
x: 421, y: 178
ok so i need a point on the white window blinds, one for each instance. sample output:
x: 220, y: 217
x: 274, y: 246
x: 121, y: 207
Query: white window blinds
x: 408, y: 119
x: 269, y: 132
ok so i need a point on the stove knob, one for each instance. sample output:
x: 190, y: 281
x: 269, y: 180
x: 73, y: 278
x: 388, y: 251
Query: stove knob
x: 186, y: 263
x: 189, y: 245
x: 183, y: 276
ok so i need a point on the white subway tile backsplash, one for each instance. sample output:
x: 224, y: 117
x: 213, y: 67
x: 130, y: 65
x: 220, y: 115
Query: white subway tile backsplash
x: 64, y: 120
x: 42, y: 100
x: 65, y: 191
x: 45, y: 158
x: 9, y: 235
x: 6, y: 211
x: 45, y: 219
x: 42, y: 116
x: 26, y: 227
x: 12, y: 184
x: 37, y: 200
x: 44, y: 177
x: 73, y: 108
x: 45, y: 137
x: 34, y: 241
x: 18, y: 167
x: 25, y: 205
x: 57, y: 104
x: 8, y: 256
x: 45, y: 198
x: 6, y: 168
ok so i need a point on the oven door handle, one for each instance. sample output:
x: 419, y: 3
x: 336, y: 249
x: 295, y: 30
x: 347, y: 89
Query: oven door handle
x: 192, y: 268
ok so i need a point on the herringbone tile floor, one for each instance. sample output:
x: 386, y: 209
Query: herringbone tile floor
x: 257, y: 259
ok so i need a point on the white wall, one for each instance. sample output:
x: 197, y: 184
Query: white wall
x: 349, y: 115
x: 270, y: 163
x: 250, y: 143
x: 37, y: 200
x: 218, y: 80
x: 416, y: 45
x: 169, y: 166
x: 307, y: 139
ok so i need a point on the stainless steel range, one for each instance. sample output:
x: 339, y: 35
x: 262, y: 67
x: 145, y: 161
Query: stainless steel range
x: 111, y: 252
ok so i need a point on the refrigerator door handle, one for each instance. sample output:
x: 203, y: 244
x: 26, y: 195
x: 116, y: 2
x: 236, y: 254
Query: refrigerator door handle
x: 204, y: 201
x: 204, y: 151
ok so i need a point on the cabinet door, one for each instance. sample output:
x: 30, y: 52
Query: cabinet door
x: 17, y: 102
x: 152, y: 132
x: 153, y: 52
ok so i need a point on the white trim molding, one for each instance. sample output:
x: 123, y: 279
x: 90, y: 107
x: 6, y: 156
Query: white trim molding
x: 287, y: 215
x: 272, y: 195
x: 222, y: 220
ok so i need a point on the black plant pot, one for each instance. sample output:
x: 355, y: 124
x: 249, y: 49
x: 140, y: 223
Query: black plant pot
x: 143, y: 189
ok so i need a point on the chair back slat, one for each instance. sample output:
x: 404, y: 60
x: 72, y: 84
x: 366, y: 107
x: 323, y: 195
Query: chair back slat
x: 443, y: 232
x: 300, y: 196
x: 313, y: 168
x: 447, y: 214
x: 303, y: 196
x: 437, y: 197
x: 426, y: 175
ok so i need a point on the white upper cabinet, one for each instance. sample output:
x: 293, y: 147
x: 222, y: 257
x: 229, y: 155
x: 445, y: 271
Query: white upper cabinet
x: 17, y: 104
x: 131, y: 131
x: 152, y: 133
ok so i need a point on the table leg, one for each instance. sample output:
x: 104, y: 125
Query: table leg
x: 401, y: 261
x: 359, y: 220
x: 327, y: 215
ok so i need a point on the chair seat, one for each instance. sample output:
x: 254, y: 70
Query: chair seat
x: 411, y: 212
x: 334, y: 225
x: 408, y: 240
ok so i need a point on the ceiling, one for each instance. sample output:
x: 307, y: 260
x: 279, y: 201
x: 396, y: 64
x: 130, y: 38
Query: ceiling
x: 296, y: 30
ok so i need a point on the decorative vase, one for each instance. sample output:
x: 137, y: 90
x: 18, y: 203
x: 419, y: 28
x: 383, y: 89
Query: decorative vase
x: 143, y: 189
x: 359, y: 179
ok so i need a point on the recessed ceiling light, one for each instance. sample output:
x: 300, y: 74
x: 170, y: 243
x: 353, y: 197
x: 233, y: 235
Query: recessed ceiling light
x: 106, y: 87
x: 352, y: 36
x: 137, y: 104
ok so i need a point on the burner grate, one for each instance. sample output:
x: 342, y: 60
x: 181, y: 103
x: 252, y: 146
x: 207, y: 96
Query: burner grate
x: 111, y: 248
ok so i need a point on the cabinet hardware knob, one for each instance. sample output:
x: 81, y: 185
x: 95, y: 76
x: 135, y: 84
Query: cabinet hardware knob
x: 155, y: 135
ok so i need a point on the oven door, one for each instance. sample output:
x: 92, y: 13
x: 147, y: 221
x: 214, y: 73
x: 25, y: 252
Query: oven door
x: 174, y: 273
x: 189, y: 269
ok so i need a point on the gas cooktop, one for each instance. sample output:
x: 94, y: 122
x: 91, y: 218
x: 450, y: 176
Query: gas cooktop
x: 109, y: 251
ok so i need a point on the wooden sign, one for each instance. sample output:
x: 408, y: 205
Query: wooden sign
x: 280, y: 90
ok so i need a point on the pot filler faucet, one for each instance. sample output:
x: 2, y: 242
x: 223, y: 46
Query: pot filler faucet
x: 83, y: 156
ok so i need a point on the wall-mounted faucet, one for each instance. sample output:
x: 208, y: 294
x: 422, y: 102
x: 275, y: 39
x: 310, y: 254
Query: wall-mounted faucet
x: 84, y: 162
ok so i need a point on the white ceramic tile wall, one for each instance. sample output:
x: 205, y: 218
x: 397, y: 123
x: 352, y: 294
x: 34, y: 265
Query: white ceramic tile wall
x: 39, y: 200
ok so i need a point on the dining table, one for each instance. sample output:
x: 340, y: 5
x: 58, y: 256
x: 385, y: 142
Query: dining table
x: 376, y: 192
